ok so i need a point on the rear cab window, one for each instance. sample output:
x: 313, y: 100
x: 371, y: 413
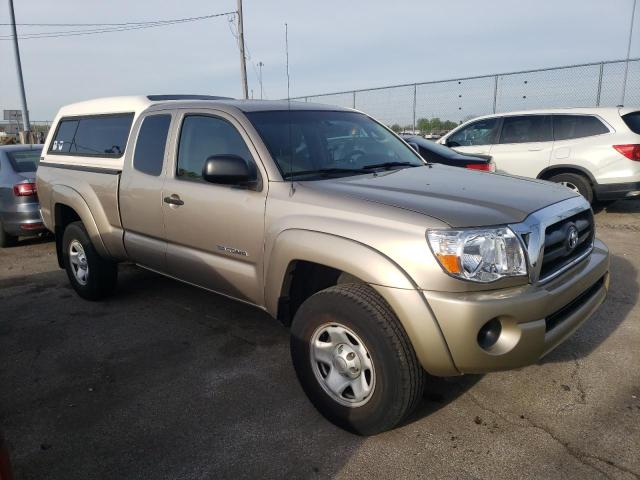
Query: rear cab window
x: 95, y: 135
x: 633, y: 121
x: 566, y: 127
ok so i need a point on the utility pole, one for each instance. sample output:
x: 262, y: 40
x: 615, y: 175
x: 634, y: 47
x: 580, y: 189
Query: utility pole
x: 16, y: 50
x: 243, y: 60
x: 260, y: 65
x: 626, y: 65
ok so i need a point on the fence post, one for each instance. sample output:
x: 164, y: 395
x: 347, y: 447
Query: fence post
x: 354, y: 99
x: 415, y: 100
x: 495, y: 93
x: 599, y: 84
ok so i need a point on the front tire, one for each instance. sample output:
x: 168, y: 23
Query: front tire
x: 91, y: 276
x: 354, y: 359
x: 577, y: 183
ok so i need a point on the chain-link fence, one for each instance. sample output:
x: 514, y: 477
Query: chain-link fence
x: 439, y: 105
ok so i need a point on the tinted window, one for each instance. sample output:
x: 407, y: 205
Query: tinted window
x: 64, y: 136
x: 308, y: 144
x: 202, y: 137
x: 482, y: 132
x: 102, y: 135
x: 633, y: 121
x: 24, y: 160
x: 576, y: 126
x: 149, y: 154
x: 526, y: 129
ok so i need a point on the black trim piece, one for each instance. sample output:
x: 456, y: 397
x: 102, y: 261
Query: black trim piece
x: 614, y: 191
x: 82, y: 168
x: 556, y: 318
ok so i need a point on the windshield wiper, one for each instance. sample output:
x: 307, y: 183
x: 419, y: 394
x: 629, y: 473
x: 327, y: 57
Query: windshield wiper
x: 327, y: 171
x: 387, y: 165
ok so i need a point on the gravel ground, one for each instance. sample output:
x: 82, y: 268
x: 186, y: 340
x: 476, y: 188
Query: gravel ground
x: 168, y: 381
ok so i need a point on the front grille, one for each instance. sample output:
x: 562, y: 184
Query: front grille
x: 556, y: 318
x: 557, y: 251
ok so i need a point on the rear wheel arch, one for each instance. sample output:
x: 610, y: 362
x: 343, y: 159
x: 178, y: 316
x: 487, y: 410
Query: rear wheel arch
x: 577, y: 177
x: 68, y: 207
x: 553, y: 170
x: 63, y: 215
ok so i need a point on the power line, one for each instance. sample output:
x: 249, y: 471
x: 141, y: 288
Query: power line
x: 121, y: 27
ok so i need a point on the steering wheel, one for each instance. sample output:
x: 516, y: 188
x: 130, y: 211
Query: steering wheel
x: 353, y: 155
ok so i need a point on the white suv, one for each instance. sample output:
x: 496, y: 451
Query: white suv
x: 595, y: 151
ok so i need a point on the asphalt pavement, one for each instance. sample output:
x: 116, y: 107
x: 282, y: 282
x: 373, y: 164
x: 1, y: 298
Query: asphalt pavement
x: 168, y: 381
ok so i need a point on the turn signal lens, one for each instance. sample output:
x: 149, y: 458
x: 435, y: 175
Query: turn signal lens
x: 449, y: 262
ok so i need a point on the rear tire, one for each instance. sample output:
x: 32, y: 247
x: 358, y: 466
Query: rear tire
x: 575, y: 182
x: 356, y: 318
x: 91, y: 276
x: 7, y: 240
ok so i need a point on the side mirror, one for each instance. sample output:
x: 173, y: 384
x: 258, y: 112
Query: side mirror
x: 228, y: 170
x: 451, y: 144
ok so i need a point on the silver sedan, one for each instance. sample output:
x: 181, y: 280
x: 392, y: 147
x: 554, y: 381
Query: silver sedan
x: 19, y: 207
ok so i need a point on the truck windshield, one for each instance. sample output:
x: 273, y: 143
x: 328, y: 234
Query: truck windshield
x: 24, y: 161
x: 310, y: 144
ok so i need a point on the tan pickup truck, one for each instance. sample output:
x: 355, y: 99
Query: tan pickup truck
x: 384, y: 266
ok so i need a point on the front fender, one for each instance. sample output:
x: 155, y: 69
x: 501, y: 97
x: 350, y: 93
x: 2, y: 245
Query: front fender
x: 371, y: 267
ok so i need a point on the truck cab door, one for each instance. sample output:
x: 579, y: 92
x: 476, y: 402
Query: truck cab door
x: 214, y: 233
x: 143, y: 177
x: 524, y: 146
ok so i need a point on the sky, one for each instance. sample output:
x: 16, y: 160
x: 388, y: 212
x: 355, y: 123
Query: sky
x: 333, y: 45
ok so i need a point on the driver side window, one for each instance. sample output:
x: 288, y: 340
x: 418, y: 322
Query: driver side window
x: 482, y: 132
x: 202, y: 136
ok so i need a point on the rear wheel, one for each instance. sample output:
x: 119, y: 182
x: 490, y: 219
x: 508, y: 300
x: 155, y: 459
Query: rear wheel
x: 91, y: 276
x: 576, y: 182
x: 7, y: 240
x: 354, y: 359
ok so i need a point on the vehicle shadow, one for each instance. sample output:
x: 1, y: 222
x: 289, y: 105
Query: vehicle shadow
x: 621, y: 299
x: 621, y: 206
x: 440, y: 392
x: 25, y: 241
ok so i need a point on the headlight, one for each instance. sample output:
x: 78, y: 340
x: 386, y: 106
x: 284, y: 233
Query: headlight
x: 480, y: 255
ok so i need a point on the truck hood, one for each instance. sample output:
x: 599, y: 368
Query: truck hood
x: 456, y: 196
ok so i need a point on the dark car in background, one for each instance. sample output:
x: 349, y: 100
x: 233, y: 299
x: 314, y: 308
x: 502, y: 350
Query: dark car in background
x: 19, y: 207
x: 436, y: 153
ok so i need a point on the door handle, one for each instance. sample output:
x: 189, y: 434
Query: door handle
x: 535, y: 149
x: 173, y: 200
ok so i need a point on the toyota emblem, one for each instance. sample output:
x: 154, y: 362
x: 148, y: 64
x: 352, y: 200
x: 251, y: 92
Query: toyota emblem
x: 572, y: 237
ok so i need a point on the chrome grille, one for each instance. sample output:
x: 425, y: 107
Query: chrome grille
x: 558, y: 252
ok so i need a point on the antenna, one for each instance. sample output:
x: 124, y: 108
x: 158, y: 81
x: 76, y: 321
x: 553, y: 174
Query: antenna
x: 286, y: 50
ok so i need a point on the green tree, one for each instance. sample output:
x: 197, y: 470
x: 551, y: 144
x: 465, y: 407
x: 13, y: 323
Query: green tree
x: 423, y: 125
x: 396, y: 128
